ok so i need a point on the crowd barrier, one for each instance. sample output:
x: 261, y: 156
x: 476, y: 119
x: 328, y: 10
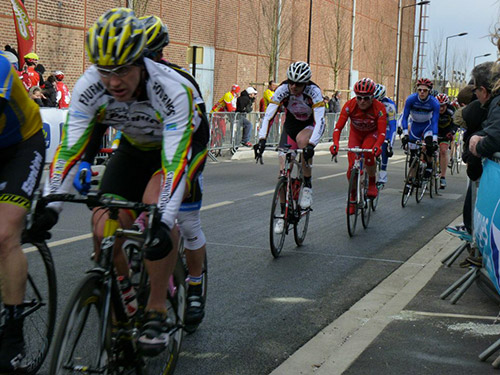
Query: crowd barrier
x: 53, y: 120
x: 226, y: 129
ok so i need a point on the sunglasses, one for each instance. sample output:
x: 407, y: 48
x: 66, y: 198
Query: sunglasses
x: 119, y: 71
x: 296, y: 84
x: 361, y: 98
x: 423, y: 90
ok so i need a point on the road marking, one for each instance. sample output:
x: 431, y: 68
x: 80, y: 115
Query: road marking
x: 331, y: 176
x: 448, y: 315
x: 263, y: 193
x: 215, y: 205
x: 61, y: 242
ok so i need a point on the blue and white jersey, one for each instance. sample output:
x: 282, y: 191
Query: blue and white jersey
x: 421, y: 114
x: 390, y: 108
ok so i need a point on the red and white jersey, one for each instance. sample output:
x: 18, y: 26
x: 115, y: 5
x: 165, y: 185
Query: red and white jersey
x: 63, y: 94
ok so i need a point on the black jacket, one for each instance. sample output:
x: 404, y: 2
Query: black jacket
x: 491, y: 130
x: 244, y: 103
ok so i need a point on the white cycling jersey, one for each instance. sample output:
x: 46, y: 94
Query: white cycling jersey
x: 161, y: 118
x: 305, y: 109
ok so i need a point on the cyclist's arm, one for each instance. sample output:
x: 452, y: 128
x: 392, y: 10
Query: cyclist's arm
x: 318, y: 114
x: 381, y: 124
x: 344, y: 115
x: 271, y: 110
x: 391, y: 123
x: 406, y: 113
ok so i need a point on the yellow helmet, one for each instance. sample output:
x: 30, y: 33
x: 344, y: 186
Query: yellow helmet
x: 116, y: 38
x: 157, y: 33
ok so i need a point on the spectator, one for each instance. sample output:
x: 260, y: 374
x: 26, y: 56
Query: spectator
x: 244, y: 105
x: 485, y: 142
x: 50, y: 92
x: 29, y: 75
x: 35, y: 93
x: 40, y: 69
x: 268, y: 94
x: 326, y: 99
x: 228, y: 102
x: 334, y: 103
x: 63, y: 94
x: 12, y: 50
x: 12, y: 59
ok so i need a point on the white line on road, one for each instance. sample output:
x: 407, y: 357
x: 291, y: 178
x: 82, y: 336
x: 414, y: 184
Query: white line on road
x: 448, y: 315
x: 332, y: 175
x: 61, y: 242
x: 263, y: 193
x: 215, y: 205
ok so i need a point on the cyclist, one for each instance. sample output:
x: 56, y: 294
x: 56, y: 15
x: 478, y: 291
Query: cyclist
x: 22, y: 156
x: 446, y: 133
x: 304, y: 121
x: 154, y: 112
x: 368, y: 125
x: 421, y: 114
x: 390, y: 108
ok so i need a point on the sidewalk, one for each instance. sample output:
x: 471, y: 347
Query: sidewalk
x: 403, y: 327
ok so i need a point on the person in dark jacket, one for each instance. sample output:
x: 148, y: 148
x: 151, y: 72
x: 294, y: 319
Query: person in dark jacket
x: 334, y: 103
x: 50, y: 92
x: 244, y: 105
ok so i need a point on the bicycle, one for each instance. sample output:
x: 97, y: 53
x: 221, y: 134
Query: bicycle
x: 359, y: 186
x: 415, y: 177
x: 456, y: 152
x: 96, y: 336
x: 40, y: 302
x: 285, y: 209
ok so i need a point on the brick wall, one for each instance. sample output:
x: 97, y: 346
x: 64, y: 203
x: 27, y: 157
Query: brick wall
x: 238, y: 32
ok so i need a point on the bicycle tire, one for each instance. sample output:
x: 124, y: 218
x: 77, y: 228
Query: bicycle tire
x: 204, y: 274
x: 84, y: 308
x: 407, y: 161
x: 166, y: 361
x: 408, y: 186
x: 277, y: 240
x: 374, y: 202
x: 40, y: 304
x: 301, y: 221
x: 421, y: 185
x: 435, y: 180
x: 458, y: 156
x: 365, y: 204
x: 352, y: 218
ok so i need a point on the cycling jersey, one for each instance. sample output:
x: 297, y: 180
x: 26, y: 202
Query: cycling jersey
x: 422, y: 116
x: 446, y: 124
x: 304, y: 110
x: 63, y: 94
x: 390, y: 108
x: 268, y: 95
x: 162, y: 118
x: 20, y: 119
x: 225, y: 104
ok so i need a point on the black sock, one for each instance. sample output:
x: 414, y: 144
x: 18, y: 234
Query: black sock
x: 13, y: 311
x: 307, y: 182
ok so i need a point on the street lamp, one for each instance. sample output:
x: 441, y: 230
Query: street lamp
x: 487, y: 54
x: 398, y: 44
x: 446, y: 56
x: 309, y: 36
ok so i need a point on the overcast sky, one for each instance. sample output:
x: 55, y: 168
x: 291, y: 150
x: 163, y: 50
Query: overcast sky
x: 450, y: 17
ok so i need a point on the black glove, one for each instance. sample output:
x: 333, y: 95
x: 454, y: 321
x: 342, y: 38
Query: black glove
x: 405, y: 140
x: 259, y: 148
x: 400, y: 130
x: 389, y: 152
x: 308, y: 152
x: 161, y: 243
x: 42, y: 223
x: 430, y: 146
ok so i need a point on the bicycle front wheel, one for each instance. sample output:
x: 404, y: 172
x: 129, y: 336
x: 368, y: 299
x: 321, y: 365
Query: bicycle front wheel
x: 422, y: 184
x: 40, y: 303
x: 458, y: 157
x: 352, y: 214
x: 278, y: 223
x: 365, y: 203
x: 79, y: 342
x: 301, y: 221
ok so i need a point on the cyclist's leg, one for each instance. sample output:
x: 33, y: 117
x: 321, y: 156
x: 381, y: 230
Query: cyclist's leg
x: 281, y: 155
x: 302, y: 139
x: 370, y: 165
x: 21, y: 166
x: 443, y: 160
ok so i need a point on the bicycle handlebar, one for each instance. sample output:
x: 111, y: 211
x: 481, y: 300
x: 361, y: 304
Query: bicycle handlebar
x: 356, y: 150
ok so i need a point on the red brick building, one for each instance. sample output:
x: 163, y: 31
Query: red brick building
x: 236, y: 37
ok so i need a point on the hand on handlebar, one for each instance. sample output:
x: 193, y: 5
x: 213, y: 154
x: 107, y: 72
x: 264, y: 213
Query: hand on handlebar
x: 334, y: 149
x: 83, y: 177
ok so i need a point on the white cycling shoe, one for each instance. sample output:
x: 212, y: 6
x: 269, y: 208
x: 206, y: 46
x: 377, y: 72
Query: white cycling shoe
x: 382, y: 177
x: 279, y: 226
x: 306, y: 198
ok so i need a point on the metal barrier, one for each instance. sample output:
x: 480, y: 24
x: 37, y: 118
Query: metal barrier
x: 226, y: 130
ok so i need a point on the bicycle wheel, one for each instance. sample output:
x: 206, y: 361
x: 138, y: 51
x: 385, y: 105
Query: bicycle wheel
x: 165, y: 362
x: 277, y: 238
x: 81, y: 341
x: 421, y: 183
x: 352, y: 218
x: 40, y: 303
x: 365, y: 203
x: 434, y: 182
x: 204, y: 273
x: 408, y: 186
x: 407, y: 162
x: 301, y: 221
x: 458, y: 157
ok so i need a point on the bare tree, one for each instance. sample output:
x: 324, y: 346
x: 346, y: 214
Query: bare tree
x: 435, y: 62
x: 382, y: 60
x: 273, y: 26
x: 138, y: 6
x: 334, y: 42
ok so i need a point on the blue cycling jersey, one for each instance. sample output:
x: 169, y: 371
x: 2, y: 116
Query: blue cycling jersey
x: 390, y: 108
x: 421, y: 114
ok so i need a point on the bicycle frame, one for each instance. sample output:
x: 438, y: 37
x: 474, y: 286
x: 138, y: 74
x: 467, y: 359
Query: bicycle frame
x: 359, y: 166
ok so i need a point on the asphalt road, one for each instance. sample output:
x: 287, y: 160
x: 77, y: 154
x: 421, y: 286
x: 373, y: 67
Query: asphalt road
x: 260, y: 310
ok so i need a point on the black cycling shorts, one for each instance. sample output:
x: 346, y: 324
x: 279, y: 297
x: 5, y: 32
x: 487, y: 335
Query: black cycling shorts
x: 294, y: 128
x: 21, y: 167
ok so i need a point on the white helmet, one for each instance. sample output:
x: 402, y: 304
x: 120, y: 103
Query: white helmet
x: 299, y: 72
x: 380, y: 92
